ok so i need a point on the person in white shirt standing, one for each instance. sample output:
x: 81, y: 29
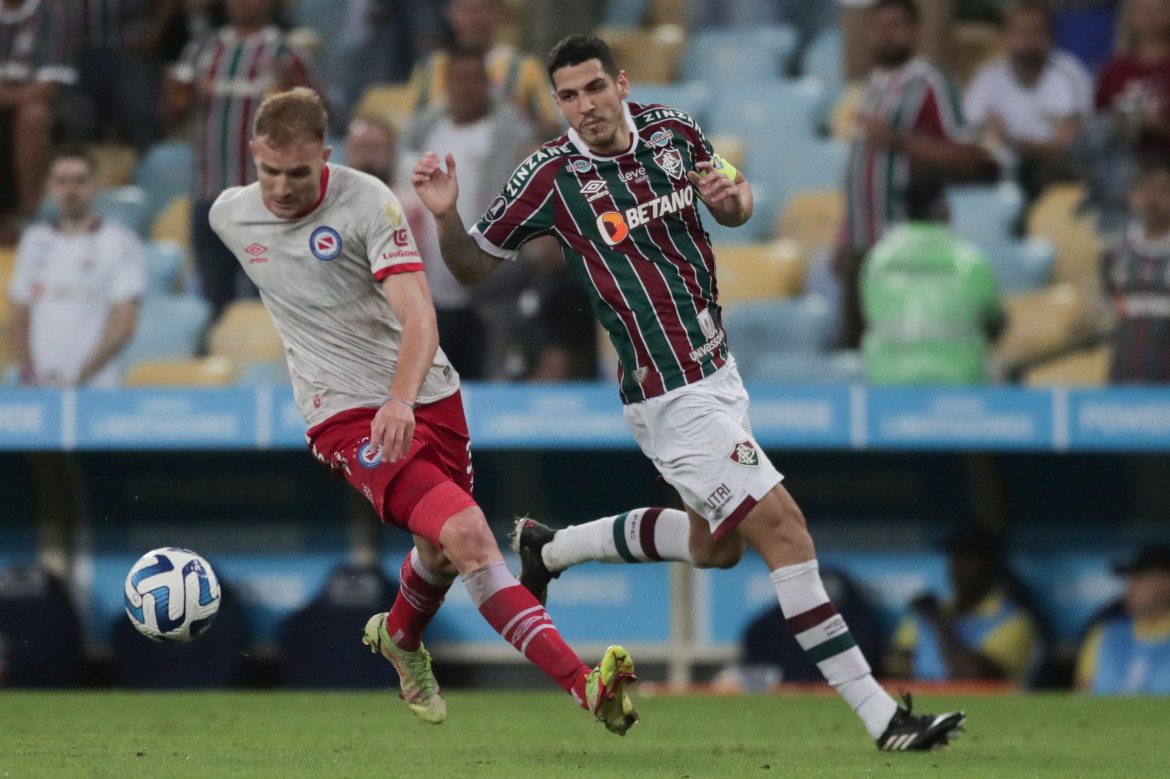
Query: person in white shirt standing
x: 338, y: 269
x: 1032, y: 102
x: 76, y: 285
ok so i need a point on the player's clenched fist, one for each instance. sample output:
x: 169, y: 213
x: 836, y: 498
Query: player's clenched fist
x: 714, y: 186
x: 436, y: 188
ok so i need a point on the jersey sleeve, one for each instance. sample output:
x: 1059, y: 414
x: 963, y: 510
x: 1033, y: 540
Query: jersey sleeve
x: 129, y: 279
x: 977, y: 101
x: 940, y: 111
x: 186, y: 70
x: 54, y: 47
x: 390, y: 246
x: 523, y: 210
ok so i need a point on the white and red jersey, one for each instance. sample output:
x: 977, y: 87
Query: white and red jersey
x: 320, y: 278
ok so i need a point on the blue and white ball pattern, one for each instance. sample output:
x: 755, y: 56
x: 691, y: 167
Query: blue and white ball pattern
x: 172, y: 595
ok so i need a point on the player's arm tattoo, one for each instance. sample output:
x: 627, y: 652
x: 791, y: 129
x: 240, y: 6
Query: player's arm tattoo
x: 467, y: 262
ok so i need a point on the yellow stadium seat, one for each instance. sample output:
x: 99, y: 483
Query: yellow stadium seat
x: 729, y: 147
x: 758, y: 271
x: 245, y: 335
x: 1040, y: 323
x: 812, y: 219
x: 393, y: 103
x: 1073, y: 235
x: 7, y: 263
x: 975, y: 43
x: 1085, y: 368
x: 649, y: 56
x: 115, y: 164
x: 174, y: 224
x: 843, y: 122
x: 202, y: 372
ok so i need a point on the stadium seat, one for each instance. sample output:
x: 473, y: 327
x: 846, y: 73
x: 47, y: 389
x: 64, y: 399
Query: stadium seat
x: 39, y: 630
x: 1055, y: 216
x: 795, y: 368
x: 165, y: 173
x: 624, y: 13
x: 169, y: 328
x: 757, y: 271
x: 975, y: 44
x: 728, y: 58
x: 1040, y: 323
x: 760, y: 331
x: 769, y: 116
x: 245, y: 334
x: 321, y: 16
x: 694, y: 97
x: 7, y: 263
x: 812, y: 218
x: 729, y: 147
x: 127, y: 206
x: 116, y: 163
x: 843, y: 115
x: 985, y: 214
x: 822, y: 61
x: 270, y: 373
x: 393, y: 103
x: 1089, y: 367
x: 311, y: 655
x: 649, y: 56
x: 758, y: 228
x: 192, y: 372
x: 163, y: 259
x: 1020, y: 266
x: 812, y: 164
x: 174, y: 223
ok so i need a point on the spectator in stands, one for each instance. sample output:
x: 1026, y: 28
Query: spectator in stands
x: 488, y: 138
x: 514, y: 76
x: 1032, y: 102
x: 985, y: 632
x: 908, y: 118
x: 1129, y: 653
x: 222, y: 78
x: 123, y: 37
x: 371, y: 146
x: 554, y: 334
x: 1136, y: 278
x: 930, y: 301
x: 76, y: 285
x: 807, y: 19
x: 36, y: 64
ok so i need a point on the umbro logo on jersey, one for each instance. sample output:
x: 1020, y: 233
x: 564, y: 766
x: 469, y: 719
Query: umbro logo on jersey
x: 579, y: 166
x: 256, y: 250
x: 325, y: 243
x: 592, y: 187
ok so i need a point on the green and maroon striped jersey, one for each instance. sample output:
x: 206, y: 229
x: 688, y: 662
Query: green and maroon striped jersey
x: 232, y: 76
x: 916, y: 98
x: 630, y: 229
x: 36, y: 44
x: 1136, y: 275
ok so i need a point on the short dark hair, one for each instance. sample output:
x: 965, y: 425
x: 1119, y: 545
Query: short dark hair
x: 576, y: 49
x: 925, y: 197
x: 908, y: 7
x: 1017, y: 7
x: 75, y: 151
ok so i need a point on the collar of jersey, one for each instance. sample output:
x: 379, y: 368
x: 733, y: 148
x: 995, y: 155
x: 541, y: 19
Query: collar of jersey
x: 228, y: 33
x: 1138, y: 240
x: 320, y: 197
x: 582, y: 148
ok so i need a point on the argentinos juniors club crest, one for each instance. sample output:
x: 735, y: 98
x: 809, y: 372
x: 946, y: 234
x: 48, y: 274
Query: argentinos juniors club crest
x: 670, y: 161
x: 744, y: 453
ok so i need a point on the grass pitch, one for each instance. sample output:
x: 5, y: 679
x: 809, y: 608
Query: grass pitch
x: 287, y: 734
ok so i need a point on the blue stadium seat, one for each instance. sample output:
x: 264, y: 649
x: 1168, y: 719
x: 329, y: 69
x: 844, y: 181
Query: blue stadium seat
x: 729, y: 57
x: 127, y: 206
x: 986, y: 214
x: 165, y: 172
x: 323, y: 16
x: 169, y: 327
x: 163, y: 259
x: 813, y: 164
x: 1021, y: 266
x: 822, y: 61
x: 270, y: 373
x: 759, y: 228
x: 757, y: 332
x: 768, y: 114
x: 837, y: 367
x: 694, y: 97
x: 624, y: 13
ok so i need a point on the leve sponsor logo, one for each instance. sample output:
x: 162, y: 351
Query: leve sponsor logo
x: 614, y: 226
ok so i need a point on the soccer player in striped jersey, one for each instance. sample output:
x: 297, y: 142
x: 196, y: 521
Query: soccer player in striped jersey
x: 339, y: 271
x: 620, y: 192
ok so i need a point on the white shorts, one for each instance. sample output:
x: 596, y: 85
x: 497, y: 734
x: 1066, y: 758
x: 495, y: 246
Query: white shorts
x: 700, y: 439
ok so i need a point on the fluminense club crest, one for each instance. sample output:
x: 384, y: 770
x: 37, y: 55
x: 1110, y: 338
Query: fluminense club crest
x: 670, y: 161
x: 744, y: 453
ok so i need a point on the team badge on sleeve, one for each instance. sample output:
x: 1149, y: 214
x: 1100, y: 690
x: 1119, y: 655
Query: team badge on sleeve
x: 393, y: 214
x: 325, y: 243
x: 497, y: 208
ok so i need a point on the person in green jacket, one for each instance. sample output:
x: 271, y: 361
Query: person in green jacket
x: 930, y: 302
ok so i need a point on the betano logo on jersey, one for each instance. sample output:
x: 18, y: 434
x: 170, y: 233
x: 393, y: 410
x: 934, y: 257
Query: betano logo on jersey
x: 614, y: 226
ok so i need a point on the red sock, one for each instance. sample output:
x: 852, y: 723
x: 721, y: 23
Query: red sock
x: 522, y: 621
x: 420, y: 593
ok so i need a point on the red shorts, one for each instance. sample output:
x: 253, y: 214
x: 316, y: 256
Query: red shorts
x: 440, y: 450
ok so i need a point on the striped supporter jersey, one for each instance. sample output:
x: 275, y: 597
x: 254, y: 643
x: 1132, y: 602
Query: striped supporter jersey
x: 915, y: 98
x: 233, y: 75
x: 36, y: 44
x: 1137, y: 278
x: 112, y: 23
x: 630, y: 230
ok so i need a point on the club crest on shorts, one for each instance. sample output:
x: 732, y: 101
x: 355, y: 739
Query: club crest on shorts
x: 325, y: 243
x: 368, y: 456
x: 744, y: 453
x: 670, y: 161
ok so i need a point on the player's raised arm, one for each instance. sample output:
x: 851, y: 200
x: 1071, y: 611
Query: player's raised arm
x: 729, y: 199
x: 439, y: 191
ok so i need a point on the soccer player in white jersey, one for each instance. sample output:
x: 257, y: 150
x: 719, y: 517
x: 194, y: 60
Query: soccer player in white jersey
x: 76, y: 285
x: 337, y: 267
x: 620, y: 191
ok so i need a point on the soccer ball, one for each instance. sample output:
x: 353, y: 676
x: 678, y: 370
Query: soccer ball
x: 172, y: 595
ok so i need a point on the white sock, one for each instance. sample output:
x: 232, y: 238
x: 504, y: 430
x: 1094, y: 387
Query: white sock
x: 645, y: 535
x: 825, y: 637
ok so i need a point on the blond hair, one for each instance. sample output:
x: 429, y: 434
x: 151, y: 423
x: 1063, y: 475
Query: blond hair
x: 285, y: 118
